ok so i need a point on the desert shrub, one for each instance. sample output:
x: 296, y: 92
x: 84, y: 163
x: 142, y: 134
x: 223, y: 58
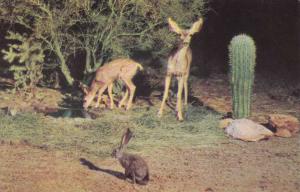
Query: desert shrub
x: 28, y: 55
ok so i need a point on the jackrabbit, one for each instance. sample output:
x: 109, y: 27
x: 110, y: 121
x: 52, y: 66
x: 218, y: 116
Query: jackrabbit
x: 135, y: 166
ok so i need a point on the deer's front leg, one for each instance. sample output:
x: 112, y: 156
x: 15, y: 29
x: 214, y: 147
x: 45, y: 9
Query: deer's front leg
x: 166, y: 92
x: 185, y: 87
x: 179, y: 98
x: 100, y: 92
x: 111, y: 97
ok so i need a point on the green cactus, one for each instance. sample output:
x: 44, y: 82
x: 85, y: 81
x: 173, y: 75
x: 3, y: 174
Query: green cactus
x: 242, y: 56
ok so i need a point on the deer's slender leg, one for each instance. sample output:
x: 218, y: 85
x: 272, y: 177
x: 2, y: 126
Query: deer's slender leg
x: 100, y: 92
x: 111, y: 97
x: 185, y: 85
x: 122, y: 102
x: 179, y: 98
x: 166, y: 93
x: 131, y: 88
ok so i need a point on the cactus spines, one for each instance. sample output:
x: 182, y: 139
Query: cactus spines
x: 242, y: 56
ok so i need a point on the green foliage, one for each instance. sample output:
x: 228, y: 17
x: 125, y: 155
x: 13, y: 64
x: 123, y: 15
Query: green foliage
x: 29, y: 55
x: 118, y: 28
x: 242, y: 56
x: 102, y: 29
x: 49, y: 21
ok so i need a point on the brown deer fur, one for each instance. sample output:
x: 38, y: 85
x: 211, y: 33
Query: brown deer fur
x: 124, y: 69
x: 179, y: 64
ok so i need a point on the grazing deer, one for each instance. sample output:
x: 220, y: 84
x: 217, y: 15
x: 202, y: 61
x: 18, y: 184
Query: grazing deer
x: 123, y: 69
x: 179, y: 63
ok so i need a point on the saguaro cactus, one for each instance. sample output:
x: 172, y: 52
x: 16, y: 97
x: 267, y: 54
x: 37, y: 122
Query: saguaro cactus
x: 242, y: 56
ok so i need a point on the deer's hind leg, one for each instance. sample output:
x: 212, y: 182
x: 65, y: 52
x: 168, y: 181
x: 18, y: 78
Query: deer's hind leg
x: 131, y: 87
x: 125, y: 97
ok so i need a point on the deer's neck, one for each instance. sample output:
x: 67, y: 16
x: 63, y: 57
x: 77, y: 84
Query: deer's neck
x: 181, y: 47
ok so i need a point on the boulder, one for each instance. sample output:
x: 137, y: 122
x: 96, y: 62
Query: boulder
x: 285, y: 125
x: 283, y: 133
x: 247, y: 130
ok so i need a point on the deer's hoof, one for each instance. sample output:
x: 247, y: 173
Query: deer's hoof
x: 179, y: 117
x: 160, y: 114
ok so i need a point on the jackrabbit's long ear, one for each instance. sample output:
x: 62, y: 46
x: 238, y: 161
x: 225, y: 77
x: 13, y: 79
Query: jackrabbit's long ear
x: 196, y: 26
x: 126, y: 137
x: 174, y: 26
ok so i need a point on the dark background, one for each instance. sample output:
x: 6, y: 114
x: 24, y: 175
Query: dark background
x: 273, y: 24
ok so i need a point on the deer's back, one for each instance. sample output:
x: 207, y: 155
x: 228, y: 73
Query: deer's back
x: 116, y: 69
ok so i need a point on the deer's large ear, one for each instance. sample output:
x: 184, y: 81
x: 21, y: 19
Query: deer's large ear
x: 173, y: 26
x: 196, y: 26
x: 84, y: 88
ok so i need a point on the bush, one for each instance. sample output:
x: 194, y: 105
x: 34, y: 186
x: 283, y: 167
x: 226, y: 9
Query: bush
x: 28, y: 52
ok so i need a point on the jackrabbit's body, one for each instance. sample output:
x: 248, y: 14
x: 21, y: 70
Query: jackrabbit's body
x: 135, y: 166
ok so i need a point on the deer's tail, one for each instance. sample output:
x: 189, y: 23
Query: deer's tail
x: 140, y: 67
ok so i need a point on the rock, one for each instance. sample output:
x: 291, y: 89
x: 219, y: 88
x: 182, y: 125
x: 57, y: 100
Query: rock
x: 283, y: 133
x: 284, y: 124
x: 225, y: 123
x: 247, y: 130
x: 259, y: 118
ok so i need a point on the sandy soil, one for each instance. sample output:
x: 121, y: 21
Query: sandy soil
x: 272, y: 165
x: 215, y: 93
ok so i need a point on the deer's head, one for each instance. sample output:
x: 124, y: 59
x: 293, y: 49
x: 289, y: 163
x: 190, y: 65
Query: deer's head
x: 89, y: 95
x: 185, y: 34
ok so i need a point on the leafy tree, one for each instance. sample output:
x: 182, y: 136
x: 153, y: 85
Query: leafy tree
x: 102, y: 29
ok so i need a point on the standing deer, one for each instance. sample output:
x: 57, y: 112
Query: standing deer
x: 179, y: 63
x: 124, y: 69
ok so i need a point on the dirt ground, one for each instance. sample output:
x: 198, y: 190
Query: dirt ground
x: 268, y: 96
x: 272, y: 165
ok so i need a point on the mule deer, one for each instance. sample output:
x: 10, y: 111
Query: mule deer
x: 124, y: 69
x: 179, y: 63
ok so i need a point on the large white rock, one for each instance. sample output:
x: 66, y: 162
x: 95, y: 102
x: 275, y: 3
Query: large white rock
x: 247, y: 130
